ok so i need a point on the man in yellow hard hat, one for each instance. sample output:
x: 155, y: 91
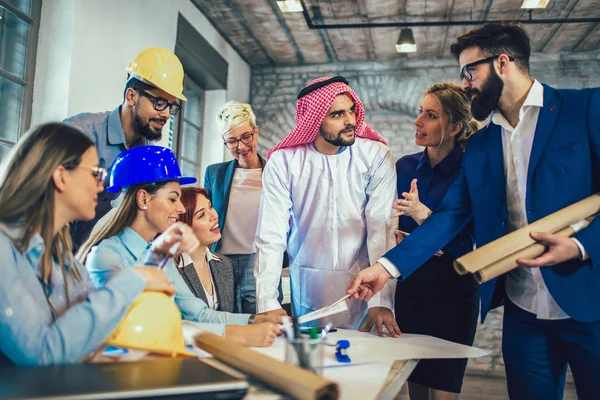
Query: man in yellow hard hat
x: 154, y: 84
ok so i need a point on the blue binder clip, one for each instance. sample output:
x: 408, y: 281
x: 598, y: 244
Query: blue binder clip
x: 341, y: 351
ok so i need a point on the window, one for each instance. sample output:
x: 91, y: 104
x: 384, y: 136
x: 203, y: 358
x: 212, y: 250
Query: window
x: 190, y: 129
x: 19, y: 23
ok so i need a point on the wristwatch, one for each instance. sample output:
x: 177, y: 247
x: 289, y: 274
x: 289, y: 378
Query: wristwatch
x: 251, y: 319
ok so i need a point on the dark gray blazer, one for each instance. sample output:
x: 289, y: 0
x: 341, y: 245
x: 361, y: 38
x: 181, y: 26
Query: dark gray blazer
x: 224, y: 280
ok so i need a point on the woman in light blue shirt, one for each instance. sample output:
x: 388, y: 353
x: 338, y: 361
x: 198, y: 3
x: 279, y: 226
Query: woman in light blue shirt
x: 149, y: 203
x: 50, y: 312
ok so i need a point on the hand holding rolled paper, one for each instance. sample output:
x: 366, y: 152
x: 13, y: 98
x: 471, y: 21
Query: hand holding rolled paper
x: 559, y: 249
x: 501, y: 255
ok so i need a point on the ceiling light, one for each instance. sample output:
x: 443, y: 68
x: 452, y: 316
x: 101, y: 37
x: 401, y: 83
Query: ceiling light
x: 533, y: 4
x: 290, y: 6
x: 406, y: 42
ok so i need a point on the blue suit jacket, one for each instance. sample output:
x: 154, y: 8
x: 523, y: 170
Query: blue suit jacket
x: 217, y: 180
x: 563, y: 169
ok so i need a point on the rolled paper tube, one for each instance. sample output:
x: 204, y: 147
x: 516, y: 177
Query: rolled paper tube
x: 520, y: 239
x: 289, y: 379
x: 528, y: 253
x: 509, y: 263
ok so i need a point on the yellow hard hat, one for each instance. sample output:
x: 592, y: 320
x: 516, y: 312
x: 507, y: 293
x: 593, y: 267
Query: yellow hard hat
x: 153, y: 323
x: 159, y: 67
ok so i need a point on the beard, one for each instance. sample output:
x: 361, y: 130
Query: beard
x: 337, y: 139
x: 487, y: 98
x: 144, y: 129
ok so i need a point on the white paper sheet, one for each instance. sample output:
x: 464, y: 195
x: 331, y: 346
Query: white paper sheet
x: 366, y: 348
x: 335, y: 308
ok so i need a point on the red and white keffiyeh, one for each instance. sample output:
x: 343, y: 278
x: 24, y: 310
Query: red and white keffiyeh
x: 311, y: 110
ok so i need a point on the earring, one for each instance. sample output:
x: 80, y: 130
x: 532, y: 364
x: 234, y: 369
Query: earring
x: 145, y: 208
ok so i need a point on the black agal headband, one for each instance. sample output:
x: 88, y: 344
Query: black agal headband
x: 318, y: 85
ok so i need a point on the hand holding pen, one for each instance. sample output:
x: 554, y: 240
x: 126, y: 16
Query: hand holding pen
x: 178, y: 238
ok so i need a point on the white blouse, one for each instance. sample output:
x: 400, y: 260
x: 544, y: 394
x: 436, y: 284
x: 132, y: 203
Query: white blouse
x: 242, y: 212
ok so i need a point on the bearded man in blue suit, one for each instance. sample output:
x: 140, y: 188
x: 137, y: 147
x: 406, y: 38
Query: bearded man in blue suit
x: 539, y: 153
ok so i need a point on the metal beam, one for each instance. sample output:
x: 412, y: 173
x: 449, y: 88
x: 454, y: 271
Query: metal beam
x: 447, y: 14
x: 450, y: 23
x: 585, y: 36
x: 248, y: 29
x: 557, y: 28
x: 408, y: 24
x: 368, y: 33
x: 287, y: 31
x: 486, y: 9
x: 329, y: 49
x: 206, y: 12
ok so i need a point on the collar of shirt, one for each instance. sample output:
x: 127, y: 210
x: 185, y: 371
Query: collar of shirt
x: 341, y: 150
x: 116, y: 134
x: 133, y: 241
x: 535, y: 98
x: 448, y: 165
x: 187, y: 260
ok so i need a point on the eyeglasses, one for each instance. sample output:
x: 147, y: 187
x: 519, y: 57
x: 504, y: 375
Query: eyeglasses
x: 465, y: 72
x: 97, y: 172
x: 161, y: 104
x: 100, y: 174
x: 246, y: 138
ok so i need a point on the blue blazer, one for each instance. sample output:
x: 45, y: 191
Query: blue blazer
x: 217, y: 180
x: 563, y: 169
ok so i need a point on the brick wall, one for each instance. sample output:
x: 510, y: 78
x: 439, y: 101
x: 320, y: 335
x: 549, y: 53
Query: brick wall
x: 391, y: 93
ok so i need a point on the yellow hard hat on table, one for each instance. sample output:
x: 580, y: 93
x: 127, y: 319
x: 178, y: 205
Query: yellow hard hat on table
x: 153, y: 323
x: 161, y: 68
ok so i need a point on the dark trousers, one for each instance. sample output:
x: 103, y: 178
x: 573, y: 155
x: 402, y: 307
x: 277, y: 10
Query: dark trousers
x: 536, y: 353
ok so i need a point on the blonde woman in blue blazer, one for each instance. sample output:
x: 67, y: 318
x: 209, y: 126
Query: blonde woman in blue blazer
x: 235, y: 188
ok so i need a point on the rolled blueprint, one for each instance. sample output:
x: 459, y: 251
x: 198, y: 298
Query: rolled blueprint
x: 528, y: 253
x: 289, y: 379
x: 521, y: 239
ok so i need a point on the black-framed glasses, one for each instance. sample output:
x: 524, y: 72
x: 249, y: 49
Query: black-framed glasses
x: 246, y: 138
x: 161, y: 104
x: 465, y: 72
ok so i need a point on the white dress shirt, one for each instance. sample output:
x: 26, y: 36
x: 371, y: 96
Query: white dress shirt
x: 524, y: 286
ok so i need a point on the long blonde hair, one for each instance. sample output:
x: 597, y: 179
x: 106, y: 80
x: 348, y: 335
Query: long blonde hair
x: 123, y: 218
x: 27, y: 192
x: 455, y: 103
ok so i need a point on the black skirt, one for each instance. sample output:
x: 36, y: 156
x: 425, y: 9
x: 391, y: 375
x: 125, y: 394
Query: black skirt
x: 434, y: 300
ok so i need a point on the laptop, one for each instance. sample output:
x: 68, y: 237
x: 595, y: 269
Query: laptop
x: 169, y: 378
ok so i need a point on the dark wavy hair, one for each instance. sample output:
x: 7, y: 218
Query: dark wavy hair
x: 188, y: 199
x: 497, y: 38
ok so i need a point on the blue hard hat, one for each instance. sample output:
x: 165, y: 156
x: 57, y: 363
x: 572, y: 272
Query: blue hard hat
x: 145, y: 164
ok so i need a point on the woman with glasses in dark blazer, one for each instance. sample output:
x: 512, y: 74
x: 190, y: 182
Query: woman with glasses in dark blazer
x: 235, y: 188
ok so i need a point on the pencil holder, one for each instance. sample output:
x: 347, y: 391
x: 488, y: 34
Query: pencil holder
x: 305, y: 353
